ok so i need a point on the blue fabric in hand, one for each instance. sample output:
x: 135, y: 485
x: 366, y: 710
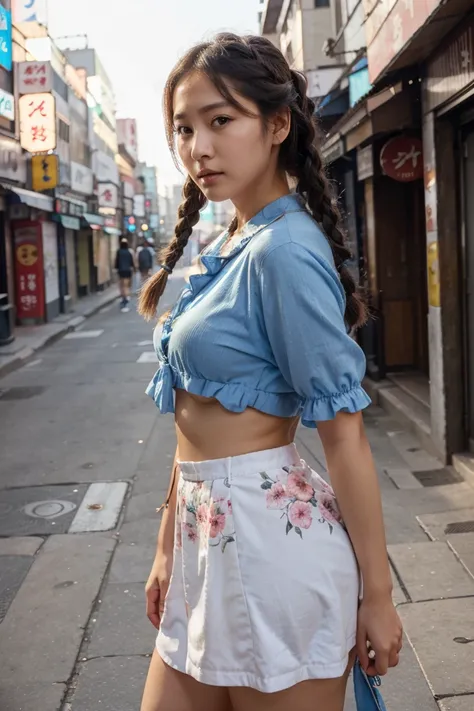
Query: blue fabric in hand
x: 367, y: 694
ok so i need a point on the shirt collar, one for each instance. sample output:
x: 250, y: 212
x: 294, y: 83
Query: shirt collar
x: 270, y: 213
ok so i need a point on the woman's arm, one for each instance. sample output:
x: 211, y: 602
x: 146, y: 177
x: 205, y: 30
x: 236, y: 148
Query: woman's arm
x: 159, y: 578
x: 165, y: 541
x: 354, y: 479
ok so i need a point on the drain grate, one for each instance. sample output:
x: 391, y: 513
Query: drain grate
x: 459, y: 527
x: 438, y: 477
x: 21, y: 392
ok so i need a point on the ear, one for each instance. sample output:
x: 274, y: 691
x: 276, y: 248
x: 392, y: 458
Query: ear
x: 280, y: 126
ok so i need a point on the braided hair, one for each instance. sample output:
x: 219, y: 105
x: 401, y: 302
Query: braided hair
x: 254, y: 68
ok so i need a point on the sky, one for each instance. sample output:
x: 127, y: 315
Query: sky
x: 138, y: 43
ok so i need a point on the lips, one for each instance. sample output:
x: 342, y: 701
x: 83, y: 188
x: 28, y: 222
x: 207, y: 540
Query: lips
x: 207, y: 174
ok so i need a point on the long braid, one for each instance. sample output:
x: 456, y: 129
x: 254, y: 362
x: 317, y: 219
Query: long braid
x: 188, y: 216
x: 313, y: 185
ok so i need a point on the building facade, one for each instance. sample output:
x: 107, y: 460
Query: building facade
x: 398, y: 145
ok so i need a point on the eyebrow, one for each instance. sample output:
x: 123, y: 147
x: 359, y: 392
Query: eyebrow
x: 203, y: 109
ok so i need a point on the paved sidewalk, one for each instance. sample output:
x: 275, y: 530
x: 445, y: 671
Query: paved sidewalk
x: 30, y: 339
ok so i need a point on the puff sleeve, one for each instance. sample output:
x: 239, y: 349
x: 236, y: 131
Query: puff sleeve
x: 303, y: 304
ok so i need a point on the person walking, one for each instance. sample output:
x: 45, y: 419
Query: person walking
x: 267, y: 581
x: 125, y: 266
x: 145, y: 258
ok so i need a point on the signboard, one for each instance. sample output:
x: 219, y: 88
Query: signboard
x: 401, y: 158
x: 7, y: 105
x: 37, y: 122
x: 105, y: 168
x: 365, y: 163
x: 12, y: 160
x: 82, y: 179
x: 29, y: 11
x: 29, y: 270
x: 34, y: 77
x: 127, y: 136
x: 67, y: 206
x: 139, y: 205
x: 390, y: 24
x: 5, y: 38
x: 451, y: 70
x: 108, y: 195
x: 320, y: 81
x: 128, y: 187
x: 44, y: 172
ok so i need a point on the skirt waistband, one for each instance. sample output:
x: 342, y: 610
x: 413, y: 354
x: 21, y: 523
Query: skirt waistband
x: 242, y: 464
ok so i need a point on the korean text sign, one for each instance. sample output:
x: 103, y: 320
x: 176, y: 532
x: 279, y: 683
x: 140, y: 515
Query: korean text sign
x: 29, y: 271
x: 37, y: 122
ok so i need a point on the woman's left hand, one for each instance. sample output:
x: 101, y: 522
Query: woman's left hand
x: 379, y: 624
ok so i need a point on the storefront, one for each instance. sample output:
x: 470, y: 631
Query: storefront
x: 34, y: 250
x: 12, y: 172
x: 448, y: 136
x: 67, y: 215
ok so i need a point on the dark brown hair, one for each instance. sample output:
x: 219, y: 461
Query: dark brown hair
x: 254, y: 68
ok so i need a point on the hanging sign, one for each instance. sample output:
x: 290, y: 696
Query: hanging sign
x: 44, y: 172
x: 37, y: 122
x: 34, y: 77
x: 401, y: 158
x: 108, y: 195
x: 29, y: 271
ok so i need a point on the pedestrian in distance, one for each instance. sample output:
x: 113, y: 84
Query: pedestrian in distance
x: 145, y: 258
x: 125, y: 266
x: 268, y: 582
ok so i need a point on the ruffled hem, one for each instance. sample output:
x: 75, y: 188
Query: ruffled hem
x: 321, y: 409
x: 234, y: 397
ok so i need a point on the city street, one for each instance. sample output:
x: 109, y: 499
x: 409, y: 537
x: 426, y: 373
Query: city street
x: 85, y: 463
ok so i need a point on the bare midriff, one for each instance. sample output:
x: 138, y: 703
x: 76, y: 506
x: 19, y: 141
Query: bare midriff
x: 206, y: 430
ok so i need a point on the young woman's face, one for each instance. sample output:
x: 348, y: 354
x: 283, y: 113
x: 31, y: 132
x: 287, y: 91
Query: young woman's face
x: 224, y: 151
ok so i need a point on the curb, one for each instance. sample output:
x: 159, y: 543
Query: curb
x: 18, y: 360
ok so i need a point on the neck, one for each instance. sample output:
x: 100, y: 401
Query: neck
x: 258, y: 196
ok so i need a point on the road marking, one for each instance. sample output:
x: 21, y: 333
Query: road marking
x: 84, y: 334
x: 145, y: 343
x: 100, y: 507
x: 148, y: 357
x: 48, y: 509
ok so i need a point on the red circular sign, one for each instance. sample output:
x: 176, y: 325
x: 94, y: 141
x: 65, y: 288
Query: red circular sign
x: 401, y: 158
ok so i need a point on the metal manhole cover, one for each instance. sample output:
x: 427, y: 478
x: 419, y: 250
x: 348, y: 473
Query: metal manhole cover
x: 39, y: 510
x: 438, y: 477
x: 21, y: 392
x: 459, y: 527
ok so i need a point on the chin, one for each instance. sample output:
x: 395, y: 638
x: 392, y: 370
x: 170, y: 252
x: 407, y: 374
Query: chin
x: 216, y: 194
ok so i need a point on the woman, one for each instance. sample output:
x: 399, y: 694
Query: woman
x: 255, y: 584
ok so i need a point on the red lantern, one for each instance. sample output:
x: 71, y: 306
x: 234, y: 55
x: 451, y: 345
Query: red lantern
x: 401, y: 158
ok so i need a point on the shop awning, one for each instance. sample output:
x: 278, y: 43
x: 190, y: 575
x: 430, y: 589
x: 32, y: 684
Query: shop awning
x: 112, y: 231
x: 70, y: 223
x: 17, y: 196
x: 94, y: 221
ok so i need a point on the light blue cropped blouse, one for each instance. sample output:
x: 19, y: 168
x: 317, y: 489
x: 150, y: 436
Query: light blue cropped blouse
x: 263, y: 326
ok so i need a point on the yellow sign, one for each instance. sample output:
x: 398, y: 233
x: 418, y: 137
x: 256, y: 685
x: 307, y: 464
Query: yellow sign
x: 433, y: 275
x: 44, y: 172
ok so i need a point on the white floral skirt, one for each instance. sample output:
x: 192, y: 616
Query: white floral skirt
x: 265, y: 585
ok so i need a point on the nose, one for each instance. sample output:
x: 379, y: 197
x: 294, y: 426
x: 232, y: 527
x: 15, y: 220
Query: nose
x: 201, y: 147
